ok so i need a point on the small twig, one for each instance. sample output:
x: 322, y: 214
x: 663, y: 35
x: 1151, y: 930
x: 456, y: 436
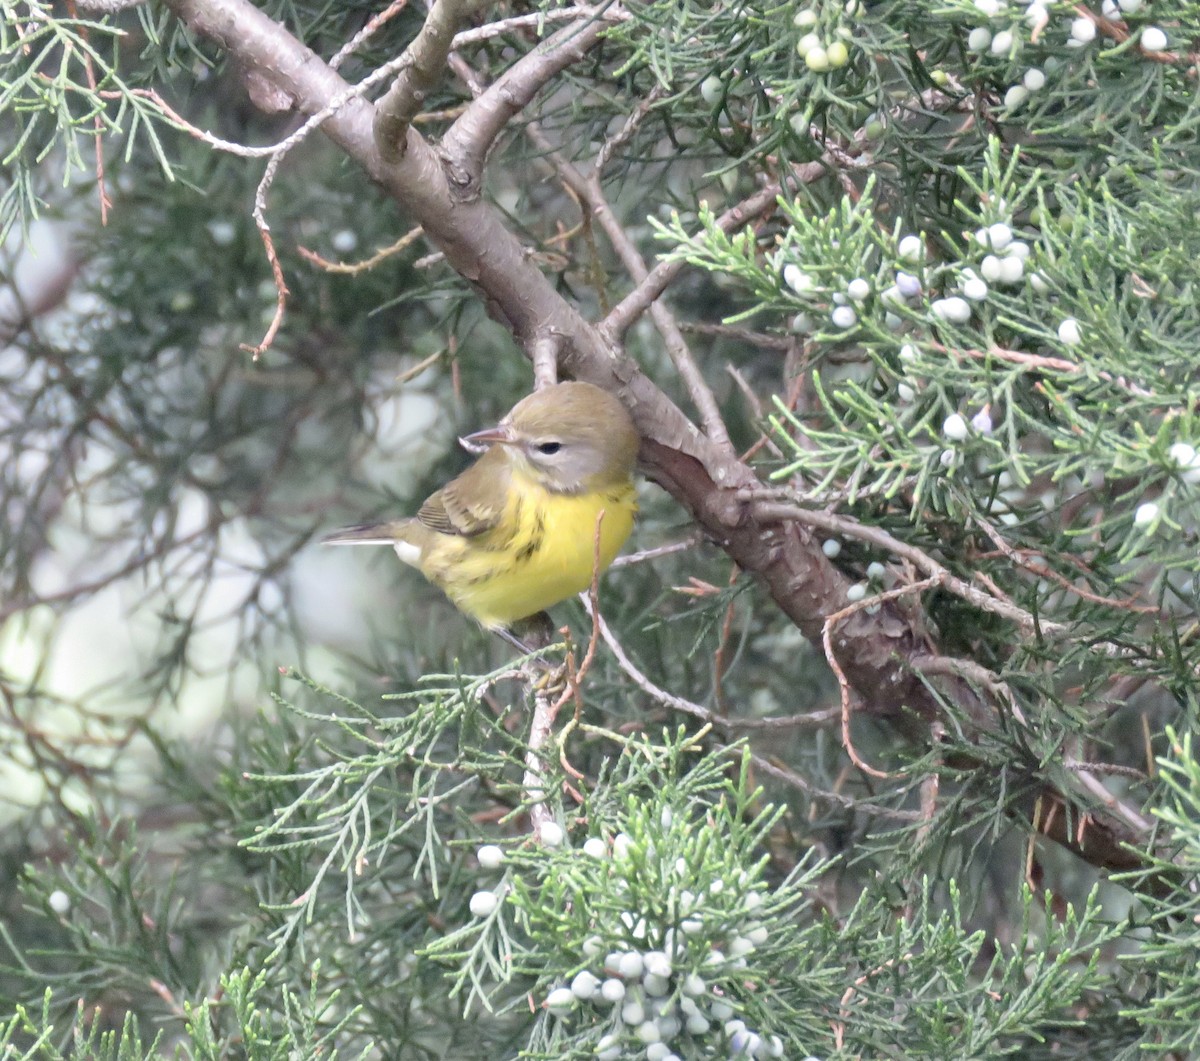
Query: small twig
x: 354, y: 268
x: 264, y: 231
x: 590, y: 193
x: 1118, y: 809
x: 546, y: 709
x: 804, y: 720
x: 1114, y: 769
x: 1039, y: 828
x: 373, y: 24
x: 1040, y: 361
x: 647, y: 290
x: 757, y: 410
x: 108, y: 7
x: 164, y: 992
x: 97, y: 123
x: 976, y: 673
x: 930, y: 785
x: 533, y: 783
x: 563, y: 14
x: 593, y: 609
x: 316, y: 119
x: 544, y: 354
x: 420, y: 366
x: 826, y: 521
x: 276, y: 154
x: 623, y: 135
x: 429, y: 260
x: 720, y: 663
x: 843, y: 683
x: 1148, y: 747
x: 839, y: 1026
x: 643, y: 555
x: 777, y: 343
x: 801, y: 784
x: 809, y: 720
x: 1042, y: 571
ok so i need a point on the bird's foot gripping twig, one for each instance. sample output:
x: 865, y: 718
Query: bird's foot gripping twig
x: 531, y: 635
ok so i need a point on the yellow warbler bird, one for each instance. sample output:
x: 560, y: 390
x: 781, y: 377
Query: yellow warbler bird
x: 516, y: 532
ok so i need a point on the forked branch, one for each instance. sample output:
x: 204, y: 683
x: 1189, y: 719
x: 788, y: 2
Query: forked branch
x: 426, y: 57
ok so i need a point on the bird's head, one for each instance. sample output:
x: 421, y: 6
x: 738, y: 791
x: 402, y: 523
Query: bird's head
x: 571, y: 438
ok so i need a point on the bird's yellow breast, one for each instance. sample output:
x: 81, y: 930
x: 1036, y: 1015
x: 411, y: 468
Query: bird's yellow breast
x: 541, y: 551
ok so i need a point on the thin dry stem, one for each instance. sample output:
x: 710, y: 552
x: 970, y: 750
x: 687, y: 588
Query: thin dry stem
x: 843, y: 683
x: 373, y: 24
x: 354, y: 268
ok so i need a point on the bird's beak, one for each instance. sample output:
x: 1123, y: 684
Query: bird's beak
x: 489, y: 436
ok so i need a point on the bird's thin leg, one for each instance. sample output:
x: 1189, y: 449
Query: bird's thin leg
x: 521, y: 646
x: 530, y: 634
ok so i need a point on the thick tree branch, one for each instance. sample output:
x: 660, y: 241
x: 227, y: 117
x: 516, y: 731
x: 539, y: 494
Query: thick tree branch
x: 467, y: 141
x: 427, y: 56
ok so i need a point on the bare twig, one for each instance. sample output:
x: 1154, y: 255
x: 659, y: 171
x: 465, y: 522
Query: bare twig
x: 623, y: 135
x: 589, y: 191
x: 1113, y: 769
x: 822, y: 795
x: 997, y: 689
x: 264, y: 231
x: 756, y: 408
x: 538, y: 19
x: 839, y: 1025
x: 659, y: 550
x: 1042, y: 571
x: 533, y: 784
x: 778, y: 343
x: 373, y: 24
x: 720, y: 659
x: 354, y: 268
x: 97, y: 124
x: 547, y: 704
x: 811, y: 720
x: 1041, y: 361
x: 268, y: 178
x: 107, y: 7
x: 922, y: 561
x: 930, y: 786
x: 657, y: 280
x: 545, y: 360
x: 1095, y: 788
x: 831, y: 658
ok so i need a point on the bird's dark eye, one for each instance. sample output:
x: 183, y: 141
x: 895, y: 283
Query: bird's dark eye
x: 548, y: 447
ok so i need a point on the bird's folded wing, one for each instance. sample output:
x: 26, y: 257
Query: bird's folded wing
x: 473, y: 503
